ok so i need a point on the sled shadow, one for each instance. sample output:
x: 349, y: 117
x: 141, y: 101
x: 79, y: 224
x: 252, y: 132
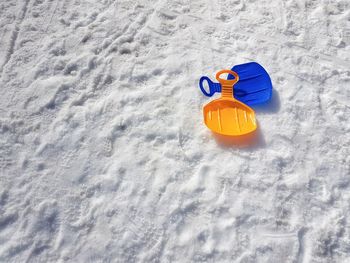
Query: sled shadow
x: 251, y: 140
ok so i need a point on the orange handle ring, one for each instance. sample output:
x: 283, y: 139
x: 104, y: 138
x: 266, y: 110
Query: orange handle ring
x: 227, y: 82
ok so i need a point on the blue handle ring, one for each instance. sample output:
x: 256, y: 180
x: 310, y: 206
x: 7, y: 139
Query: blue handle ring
x: 211, y: 91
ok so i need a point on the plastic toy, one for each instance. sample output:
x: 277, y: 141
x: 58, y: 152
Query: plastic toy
x: 254, y: 86
x: 226, y: 115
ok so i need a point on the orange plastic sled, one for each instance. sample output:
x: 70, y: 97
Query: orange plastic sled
x: 226, y: 115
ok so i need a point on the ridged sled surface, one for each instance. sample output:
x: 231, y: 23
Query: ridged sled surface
x: 254, y: 85
x: 229, y: 117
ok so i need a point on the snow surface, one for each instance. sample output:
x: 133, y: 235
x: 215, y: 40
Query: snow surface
x: 104, y: 156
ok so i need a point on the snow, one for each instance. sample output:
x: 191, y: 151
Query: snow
x: 104, y: 156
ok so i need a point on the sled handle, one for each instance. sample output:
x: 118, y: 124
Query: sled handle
x: 227, y: 84
x: 213, y: 87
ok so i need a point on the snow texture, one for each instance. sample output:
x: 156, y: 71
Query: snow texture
x: 104, y: 156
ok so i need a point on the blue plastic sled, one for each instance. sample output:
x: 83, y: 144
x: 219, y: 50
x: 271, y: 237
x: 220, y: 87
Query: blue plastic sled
x: 254, y: 85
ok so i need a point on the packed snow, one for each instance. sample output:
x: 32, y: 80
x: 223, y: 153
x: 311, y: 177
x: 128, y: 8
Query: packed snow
x: 104, y: 156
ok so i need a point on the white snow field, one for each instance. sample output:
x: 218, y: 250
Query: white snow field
x: 104, y: 156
